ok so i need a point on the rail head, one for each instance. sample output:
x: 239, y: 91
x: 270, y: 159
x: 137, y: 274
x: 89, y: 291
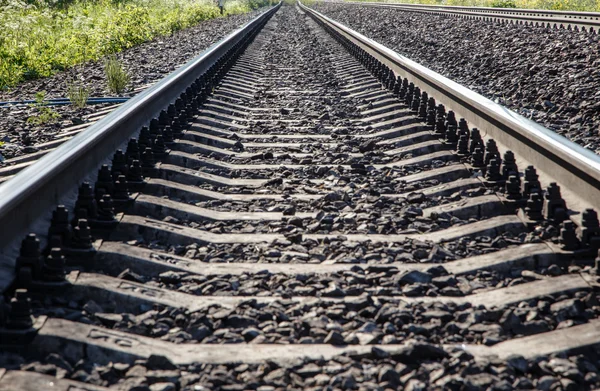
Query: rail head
x: 27, y: 200
x: 557, y: 159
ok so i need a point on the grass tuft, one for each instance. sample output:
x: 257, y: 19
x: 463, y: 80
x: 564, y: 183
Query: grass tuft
x: 45, y: 114
x: 116, y: 77
x: 78, y: 94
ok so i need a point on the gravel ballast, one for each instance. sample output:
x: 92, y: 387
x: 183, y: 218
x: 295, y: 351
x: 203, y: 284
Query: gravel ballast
x: 418, y: 366
x: 549, y: 76
x: 206, y: 319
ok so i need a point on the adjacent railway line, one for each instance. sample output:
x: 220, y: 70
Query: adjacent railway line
x: 300, y: 207
x: 586, y: 21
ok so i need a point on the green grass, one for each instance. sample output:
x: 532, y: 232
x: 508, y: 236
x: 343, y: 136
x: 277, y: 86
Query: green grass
x: 116, y: 77
x: 558, y: 5
x: 39, y: 38
x: 44, y: 114
x: 78, y: 94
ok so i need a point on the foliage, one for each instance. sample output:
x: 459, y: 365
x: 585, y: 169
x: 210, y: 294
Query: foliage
x: 116, y: 77
x: 44, y: 114
x: 504, y: 4
x: 40, y: 37
x: 78, y: 94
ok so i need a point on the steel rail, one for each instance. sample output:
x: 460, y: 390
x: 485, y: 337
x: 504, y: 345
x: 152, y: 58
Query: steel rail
x: 495, y: 10
x: 27, y: 200
x: 577, y: 170
x: 589, y: 21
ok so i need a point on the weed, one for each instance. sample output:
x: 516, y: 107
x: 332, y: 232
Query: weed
x: 78, y: 94
x: 45, y: 114
x: 40, y: 98
x: 116, y: 77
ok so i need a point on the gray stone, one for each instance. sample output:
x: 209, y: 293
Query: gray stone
x: 108, y: 319
x: 444, y: 281
x: 309, y: 370
x: 450, y: 382
x: 121, y: 367
x: 420, y: 254
x: 415, y: 385
x: 348, y: 382
x: 333, y: 291
x: 136, y: 371
x: 170, y: 277
x: 163, y: 376
x: 250, y: 333
x: 91, y: 307
x: 522, y: 383
x: 569, y: 385
x: 560, y: 366
x: 545, y: 383
x: 199, y: 333
x: 388, y: 374
x: 296, y: 221
x: 163, y: 387
x: 134, y: 384
x: 532, y: 327
x: 419, y: 351
x: 240, y: 321
x: 554, y: 270
x: 567, y: 309
x: 502, y: 385
x: 518, y: 362
x: 480, y: 381
x: 156, y: 361
x: 334, y: 338
x: 278, y: 375
x: 443, y: 316
x: 322, y: 379
x: 413, y: 276
x: 379, y: 354
x: 60, y: 362
x: 509, y: 320
x: 415, y: 197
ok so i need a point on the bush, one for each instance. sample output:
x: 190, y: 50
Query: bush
x: 40, y: 37
x: 504, y: 4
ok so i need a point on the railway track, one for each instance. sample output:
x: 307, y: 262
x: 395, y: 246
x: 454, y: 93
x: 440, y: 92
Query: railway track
x: 585, y: 21
x: 301, y: 207
x: 12, y: 166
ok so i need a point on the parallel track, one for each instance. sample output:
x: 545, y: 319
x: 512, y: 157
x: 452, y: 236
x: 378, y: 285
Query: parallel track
x: 301, y: 200
x: 586, y: 21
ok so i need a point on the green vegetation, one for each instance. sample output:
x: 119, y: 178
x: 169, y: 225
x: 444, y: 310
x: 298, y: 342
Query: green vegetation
x: 78, y: 94
x: 44, y: 114
x: 559, y: 5
x: 116, y: 77
x: 504, y: 4
x: 40, y: 37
